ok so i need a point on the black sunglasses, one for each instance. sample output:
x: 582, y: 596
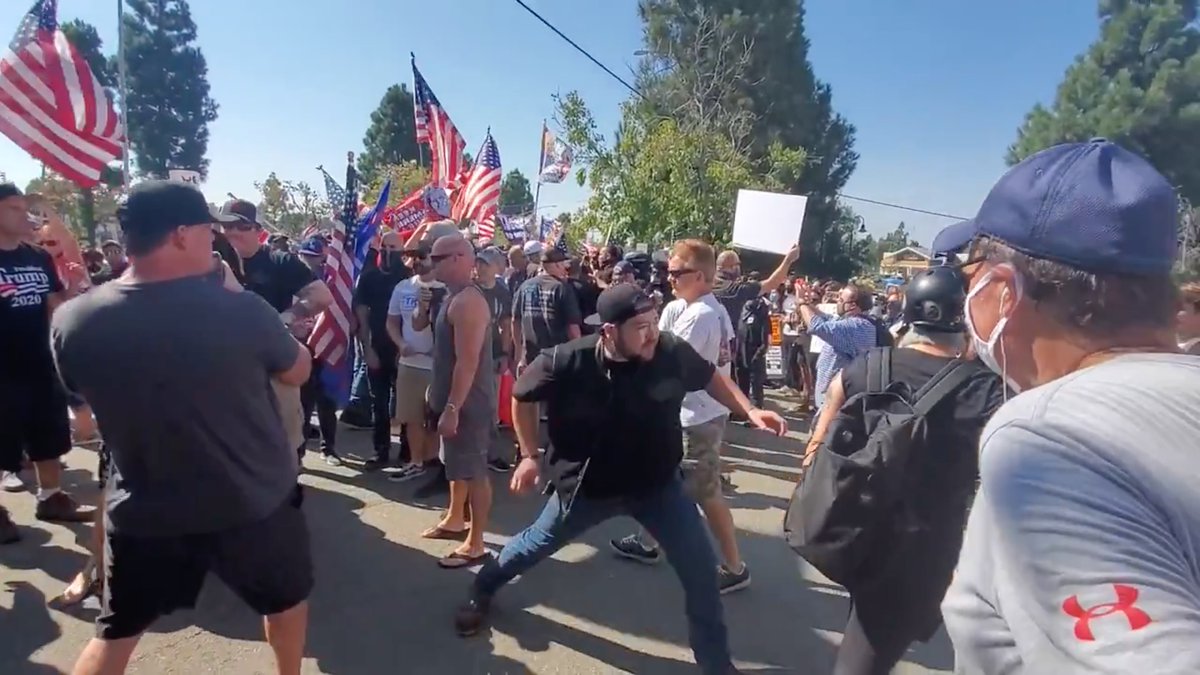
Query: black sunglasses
x: 240, y: 226
x: 675, y: 274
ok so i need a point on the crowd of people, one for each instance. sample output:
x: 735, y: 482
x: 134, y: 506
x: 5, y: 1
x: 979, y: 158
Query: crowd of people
x: 1003, y: 444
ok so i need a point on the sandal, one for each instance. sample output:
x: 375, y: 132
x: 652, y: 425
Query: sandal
x: 458, y: 560
x: 439, y: 532
x: 89, y: 586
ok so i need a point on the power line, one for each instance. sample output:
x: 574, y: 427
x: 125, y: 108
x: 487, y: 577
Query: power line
x: 638, y: 93
x: 581, y: 50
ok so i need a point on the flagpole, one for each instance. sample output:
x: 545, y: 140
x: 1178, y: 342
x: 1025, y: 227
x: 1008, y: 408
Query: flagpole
x: 537, y: 175
x: 121, y: 72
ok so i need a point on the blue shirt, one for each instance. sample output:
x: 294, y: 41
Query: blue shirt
x: 845, y: 339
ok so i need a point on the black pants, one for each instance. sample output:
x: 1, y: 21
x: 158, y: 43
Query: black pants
x: 750, y: 378
x: 867, y: 652
x: 789, y: 351
x: 383, y: 386
x: 312, y: 395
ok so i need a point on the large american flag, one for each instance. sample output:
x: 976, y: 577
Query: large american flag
x: 52, y: 105
x: 434, y: 128
x: 479, y: 198
x: 330, y: 338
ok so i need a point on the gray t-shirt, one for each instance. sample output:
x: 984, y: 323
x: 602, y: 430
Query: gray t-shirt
x: 1082, y: 552
x: 184, y: 402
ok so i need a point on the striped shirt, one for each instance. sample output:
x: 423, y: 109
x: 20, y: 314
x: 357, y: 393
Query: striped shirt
x: 845, y: 339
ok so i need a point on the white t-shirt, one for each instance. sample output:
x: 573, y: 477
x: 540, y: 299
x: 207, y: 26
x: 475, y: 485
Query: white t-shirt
x: 817, y: 344
x: 1082, y: 550
x: 403, y: 304
x: 705, y: 325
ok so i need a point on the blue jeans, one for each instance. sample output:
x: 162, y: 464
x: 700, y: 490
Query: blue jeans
x: 360, y: 389
x: 671, y: 518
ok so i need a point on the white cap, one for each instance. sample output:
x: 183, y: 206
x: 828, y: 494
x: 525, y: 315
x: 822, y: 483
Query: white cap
x: 533, y: 248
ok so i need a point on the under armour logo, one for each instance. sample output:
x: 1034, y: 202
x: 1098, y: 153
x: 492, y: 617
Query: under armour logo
x: 1126, y: 603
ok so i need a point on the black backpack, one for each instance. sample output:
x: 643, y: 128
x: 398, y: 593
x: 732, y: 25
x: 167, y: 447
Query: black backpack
x: 883, y: 336
x: 851, y: 502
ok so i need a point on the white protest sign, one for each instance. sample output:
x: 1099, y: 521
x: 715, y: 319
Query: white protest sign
x: 642, y: 248
x: 768, y: 221
x: 184, y: 176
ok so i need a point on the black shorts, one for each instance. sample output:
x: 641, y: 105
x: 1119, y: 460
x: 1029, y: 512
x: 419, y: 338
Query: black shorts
x: 268, y: 564
x: 33, y: 421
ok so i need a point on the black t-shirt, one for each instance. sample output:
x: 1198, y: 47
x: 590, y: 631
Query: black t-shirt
x: 588, y: 293
x: 545, y: 306
x: 734, y: 294
x: 27, y: 278
x: 374, y: 291
x: 947, y: 472
x: 500, y: 302
x: 621, y: 419
x: 276, y: 276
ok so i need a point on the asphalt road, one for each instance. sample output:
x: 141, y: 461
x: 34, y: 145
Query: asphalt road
x: 383, y: 606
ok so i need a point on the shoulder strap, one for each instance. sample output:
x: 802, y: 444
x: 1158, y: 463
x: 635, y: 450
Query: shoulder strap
x: 941, y: 385
x: 879, y: 370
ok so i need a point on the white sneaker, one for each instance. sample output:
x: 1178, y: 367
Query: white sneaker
x: 11, y: 482
x: 333, y: 460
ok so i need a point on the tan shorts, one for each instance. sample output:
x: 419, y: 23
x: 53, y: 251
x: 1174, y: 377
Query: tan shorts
x: 411, y: 385
x: 702, y: 458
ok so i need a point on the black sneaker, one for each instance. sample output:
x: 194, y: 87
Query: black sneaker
x: 730, y: 582
x: 472, y: 616
x: 437, y: 483
x: 499, y: 465
x: 631, y: 547
x: 375, y: 463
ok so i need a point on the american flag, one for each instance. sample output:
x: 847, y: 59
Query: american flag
x: 52, y: 105
x: 330, y: 338
x: 446, y: 145
x: 480, y: 195
x: 550, y: 229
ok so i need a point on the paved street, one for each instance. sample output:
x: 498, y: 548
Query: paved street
x: 383, y: 606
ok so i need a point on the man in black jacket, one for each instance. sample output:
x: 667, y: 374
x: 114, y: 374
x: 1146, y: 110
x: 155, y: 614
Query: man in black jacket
x: 613, y: 402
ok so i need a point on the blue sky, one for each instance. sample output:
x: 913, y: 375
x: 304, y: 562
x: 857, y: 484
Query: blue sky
x: 936, y: 88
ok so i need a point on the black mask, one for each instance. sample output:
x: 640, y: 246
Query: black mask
x: 395, y: 260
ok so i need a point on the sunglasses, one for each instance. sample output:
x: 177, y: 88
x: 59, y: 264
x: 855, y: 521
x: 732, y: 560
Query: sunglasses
x: 241, y: 226
x: 675, y: 274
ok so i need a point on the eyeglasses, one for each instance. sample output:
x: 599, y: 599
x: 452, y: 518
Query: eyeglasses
x: 675, y: 274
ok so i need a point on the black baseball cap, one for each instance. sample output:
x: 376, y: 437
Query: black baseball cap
x: 156, y: 206
x: 553, y: 255
x: 240, y: 210
x: 9, y: 190
x: 620, y: 303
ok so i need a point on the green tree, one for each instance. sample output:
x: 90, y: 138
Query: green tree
x: 743, y: 65
x: 515, y: 195
x: 169, y: 107
x: 1138, y: 85
x: 289, y: 206
x: 98, y: 203
x: 406, y: 177
x: 392, y: 136
x: 81, y: 209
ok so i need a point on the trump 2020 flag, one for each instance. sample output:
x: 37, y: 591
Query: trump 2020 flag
x: 556, y: 158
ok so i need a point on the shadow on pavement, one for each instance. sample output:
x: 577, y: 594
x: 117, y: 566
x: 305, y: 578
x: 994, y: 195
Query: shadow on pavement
x: 26, y: 628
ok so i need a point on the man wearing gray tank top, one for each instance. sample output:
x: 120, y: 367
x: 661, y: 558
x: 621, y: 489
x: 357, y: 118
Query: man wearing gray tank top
x: 463, y: 396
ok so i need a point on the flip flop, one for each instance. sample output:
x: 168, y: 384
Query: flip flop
x: 458, y: 560
x: 437, y: 532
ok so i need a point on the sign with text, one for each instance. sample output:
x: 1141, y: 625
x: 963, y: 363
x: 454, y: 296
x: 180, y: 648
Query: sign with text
x: 184, y: 176
x: 768, y: 221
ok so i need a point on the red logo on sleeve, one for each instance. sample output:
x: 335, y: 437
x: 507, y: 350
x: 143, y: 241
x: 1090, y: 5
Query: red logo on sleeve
x: 1126, y: 604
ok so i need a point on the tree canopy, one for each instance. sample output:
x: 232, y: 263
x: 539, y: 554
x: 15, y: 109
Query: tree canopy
x: 169, y: 107
x: 392, y: 137
x: 515, y: 195
x: 728, y: 100
x: 1138, y: 85
x: 289, y: 206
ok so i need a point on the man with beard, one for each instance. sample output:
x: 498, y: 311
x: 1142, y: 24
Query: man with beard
x: 371, y: 298
x: 613, y: 401
x: 732, y: 291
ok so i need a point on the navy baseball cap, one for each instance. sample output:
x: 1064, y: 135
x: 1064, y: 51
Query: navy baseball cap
x: 954, y: 239
x: 314, y: 246
x: 1094, y: 206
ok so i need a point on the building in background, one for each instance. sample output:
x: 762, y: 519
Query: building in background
x: 905, y: 262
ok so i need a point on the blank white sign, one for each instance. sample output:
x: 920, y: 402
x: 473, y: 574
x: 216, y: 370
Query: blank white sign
x: 768, y: 221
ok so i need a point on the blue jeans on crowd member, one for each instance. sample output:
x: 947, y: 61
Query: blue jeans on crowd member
x: 360, y: 389
x: 671, y: 518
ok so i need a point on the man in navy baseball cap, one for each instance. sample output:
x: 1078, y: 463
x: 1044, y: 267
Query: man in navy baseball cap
x: 1087, y: 496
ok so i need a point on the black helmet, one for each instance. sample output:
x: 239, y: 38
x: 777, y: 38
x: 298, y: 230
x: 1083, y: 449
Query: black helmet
x: 934, y: 299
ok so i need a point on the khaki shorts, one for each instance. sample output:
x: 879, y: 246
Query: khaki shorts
x: 411, y: 385
x: 702, y: 459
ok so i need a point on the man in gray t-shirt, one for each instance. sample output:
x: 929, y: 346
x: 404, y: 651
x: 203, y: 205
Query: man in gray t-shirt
x: 1082, y: 551
x: 202, y: 476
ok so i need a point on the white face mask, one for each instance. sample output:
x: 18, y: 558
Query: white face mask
x: 986, y: 349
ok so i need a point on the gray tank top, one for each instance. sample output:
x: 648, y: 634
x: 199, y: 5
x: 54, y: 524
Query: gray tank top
x: 481, y: 399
